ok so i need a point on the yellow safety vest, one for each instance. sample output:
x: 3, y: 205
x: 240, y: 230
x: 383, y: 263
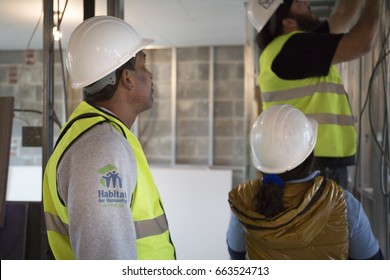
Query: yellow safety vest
x: 321, y: 98
x: 153, y: 236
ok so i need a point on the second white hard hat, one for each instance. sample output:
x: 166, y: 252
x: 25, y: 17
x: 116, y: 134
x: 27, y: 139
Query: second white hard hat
x: 100, y: 45
x: 281, y: 138
x: 260, y: 11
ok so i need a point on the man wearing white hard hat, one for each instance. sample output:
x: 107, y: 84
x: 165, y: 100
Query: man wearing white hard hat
x: 296, y: 67
x: 291, y: 212
x: 100, y: 199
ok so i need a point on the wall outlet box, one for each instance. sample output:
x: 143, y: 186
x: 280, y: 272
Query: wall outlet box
x: 32, y: 136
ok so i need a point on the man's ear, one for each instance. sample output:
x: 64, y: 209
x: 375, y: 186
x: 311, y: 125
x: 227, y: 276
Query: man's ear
x: 127, y: 79
x: 289, y: 24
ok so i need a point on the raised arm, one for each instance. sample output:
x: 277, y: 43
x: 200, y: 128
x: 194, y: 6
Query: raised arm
x: 344, y: 15
x: 360, y: 39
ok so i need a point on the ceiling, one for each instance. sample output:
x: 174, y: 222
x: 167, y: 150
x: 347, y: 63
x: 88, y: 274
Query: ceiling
x: 169, y: 22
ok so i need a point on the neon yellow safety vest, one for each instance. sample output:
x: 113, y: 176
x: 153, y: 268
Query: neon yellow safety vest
x: 321, y: 98
x: 153, y: 236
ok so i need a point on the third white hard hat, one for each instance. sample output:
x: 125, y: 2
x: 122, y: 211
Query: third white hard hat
x: 100, y: 45
x: 281, y: 138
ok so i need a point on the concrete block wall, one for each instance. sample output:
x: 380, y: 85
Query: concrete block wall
x: 193, y: 114
x: 229, y: 138
x: 187, y: 139
x: 155, y: 124
x: 21, y: 76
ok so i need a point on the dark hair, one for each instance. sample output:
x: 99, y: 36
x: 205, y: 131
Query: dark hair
x: 269, y: 199
x: 109, y: 90
x: 274, y: 26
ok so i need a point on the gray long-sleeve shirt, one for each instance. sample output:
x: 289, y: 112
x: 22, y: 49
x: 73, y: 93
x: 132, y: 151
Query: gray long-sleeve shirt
x: 96, y: 178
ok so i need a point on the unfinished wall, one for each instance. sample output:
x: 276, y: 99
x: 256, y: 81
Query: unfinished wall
x: 197, y: 118
x: 21, y: 76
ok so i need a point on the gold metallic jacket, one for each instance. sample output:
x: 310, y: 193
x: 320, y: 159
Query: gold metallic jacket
x: 313, y: 226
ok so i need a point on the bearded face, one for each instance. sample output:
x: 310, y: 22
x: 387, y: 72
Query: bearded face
x: 306, y: 23
x: 303, y: 15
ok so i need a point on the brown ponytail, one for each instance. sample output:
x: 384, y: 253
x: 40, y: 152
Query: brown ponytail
x: 269, y: 199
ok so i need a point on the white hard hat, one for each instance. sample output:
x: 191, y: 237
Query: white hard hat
x: 98, y: 46
x: 260, y: 11
x: 281, y: 138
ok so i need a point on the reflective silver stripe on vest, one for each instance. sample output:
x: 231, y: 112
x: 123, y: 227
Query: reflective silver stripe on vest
x: 332, y: 119
x: 151, y: 227
x: 302, y: 92
x: 54, y: 223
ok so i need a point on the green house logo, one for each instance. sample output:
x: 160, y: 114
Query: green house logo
x: 110, y: 177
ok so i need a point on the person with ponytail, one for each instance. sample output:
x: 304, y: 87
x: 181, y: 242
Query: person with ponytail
x: 290, y: 211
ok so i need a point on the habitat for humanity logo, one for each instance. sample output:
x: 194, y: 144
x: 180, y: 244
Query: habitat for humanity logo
x: 111, y: 192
